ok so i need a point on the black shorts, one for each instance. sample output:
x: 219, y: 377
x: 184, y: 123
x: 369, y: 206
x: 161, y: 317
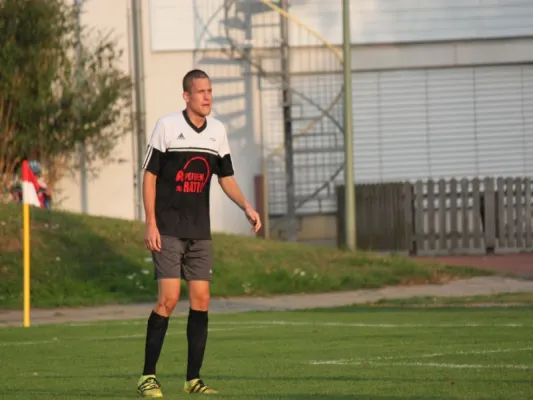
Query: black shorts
x: 184, y: 259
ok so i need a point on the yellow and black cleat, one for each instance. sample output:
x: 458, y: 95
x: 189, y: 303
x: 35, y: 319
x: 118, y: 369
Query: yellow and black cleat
x: 197, y: 386
x: 149, y: 386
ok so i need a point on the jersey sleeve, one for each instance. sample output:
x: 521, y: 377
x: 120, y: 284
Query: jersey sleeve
x: 225, y: 165
x: 155, y: 150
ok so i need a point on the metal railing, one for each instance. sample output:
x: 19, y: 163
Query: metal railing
x: 306, y: 129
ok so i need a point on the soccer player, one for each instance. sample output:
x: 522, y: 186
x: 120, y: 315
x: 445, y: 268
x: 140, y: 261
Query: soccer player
x: 186, y: 148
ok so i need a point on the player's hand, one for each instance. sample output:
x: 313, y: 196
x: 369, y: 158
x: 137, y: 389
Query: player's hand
x: 254, y: 218
x: 152, y: 239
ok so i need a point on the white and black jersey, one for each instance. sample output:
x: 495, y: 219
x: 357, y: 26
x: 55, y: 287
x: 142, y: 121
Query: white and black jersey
x: 184, y: 158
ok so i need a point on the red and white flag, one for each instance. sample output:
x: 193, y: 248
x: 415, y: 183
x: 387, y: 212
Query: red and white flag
x: 29, y: 186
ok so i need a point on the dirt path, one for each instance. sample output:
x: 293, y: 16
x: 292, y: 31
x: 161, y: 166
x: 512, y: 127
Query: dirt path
x: 468, y: 287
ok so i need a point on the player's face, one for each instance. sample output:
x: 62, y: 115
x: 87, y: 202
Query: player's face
x: 200, y: 98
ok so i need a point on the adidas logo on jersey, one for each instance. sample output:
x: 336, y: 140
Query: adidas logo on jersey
x: 181, y: 136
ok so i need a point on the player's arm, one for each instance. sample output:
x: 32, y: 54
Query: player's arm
x: 231, y: 189
x: 151, y: 166
x: 149, y: 181
x: 229, y: 185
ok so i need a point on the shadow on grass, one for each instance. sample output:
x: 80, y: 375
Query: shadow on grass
x: 64, y: 393
x: 73, y: 393
x: 361, y: 379
x: 329, y: 397
x: 276, y: 393
x: 170, y: 376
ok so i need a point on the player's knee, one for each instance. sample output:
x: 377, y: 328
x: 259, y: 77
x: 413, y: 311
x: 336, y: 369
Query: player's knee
x: 200, y: 301
x: 167, y: 303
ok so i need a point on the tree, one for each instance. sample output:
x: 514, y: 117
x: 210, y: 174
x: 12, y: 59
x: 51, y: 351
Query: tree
x: 55, y: 95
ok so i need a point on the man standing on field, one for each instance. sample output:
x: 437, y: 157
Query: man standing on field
x: 185, y: 150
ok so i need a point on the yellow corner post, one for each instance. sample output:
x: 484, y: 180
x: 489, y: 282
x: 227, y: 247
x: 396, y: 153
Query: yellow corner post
x: 26, y: 217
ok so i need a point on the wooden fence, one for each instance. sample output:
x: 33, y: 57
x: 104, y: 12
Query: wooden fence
x: 381, y: 216
x: 443, y: 217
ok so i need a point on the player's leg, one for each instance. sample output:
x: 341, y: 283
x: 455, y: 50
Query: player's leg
x: 197, y: 326
x: 167, y: 265
x: 197, y: 269
x: 169, y: 292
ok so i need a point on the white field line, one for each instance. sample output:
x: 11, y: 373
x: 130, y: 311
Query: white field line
x: 374, y: 325
x: 457, y: 366
x: 376, y: 360
x: 9, y: 344
x: 119, y: 337
x: 323, y: 324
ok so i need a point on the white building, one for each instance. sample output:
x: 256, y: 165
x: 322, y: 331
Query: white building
x: 441, y: 88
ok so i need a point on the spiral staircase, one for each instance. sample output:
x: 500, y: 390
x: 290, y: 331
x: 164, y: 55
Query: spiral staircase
x: 315, y: 116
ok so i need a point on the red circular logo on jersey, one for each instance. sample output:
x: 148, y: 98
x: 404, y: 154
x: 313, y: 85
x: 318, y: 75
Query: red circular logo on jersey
x: 193, y: 176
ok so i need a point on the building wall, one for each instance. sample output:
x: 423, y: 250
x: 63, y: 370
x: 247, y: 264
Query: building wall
x: 111, y: 193
x: 191, y: 24
x: 411, y: 21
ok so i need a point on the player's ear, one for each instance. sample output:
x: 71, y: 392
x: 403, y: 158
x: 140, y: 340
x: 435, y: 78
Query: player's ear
x: 186, y: 97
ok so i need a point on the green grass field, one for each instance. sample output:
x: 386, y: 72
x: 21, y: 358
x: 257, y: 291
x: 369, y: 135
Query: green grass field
x: 366, y: 353
x: 80, y: 260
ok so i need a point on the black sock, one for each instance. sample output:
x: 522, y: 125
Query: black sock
x: 197, y: 339
x: 155, y: 334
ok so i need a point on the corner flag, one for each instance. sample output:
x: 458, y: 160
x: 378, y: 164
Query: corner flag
x: 29, y: 197
x: 29, y: 186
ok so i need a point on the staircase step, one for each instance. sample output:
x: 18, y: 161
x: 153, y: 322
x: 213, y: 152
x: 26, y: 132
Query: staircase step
x: 219, y: 61
x: 226, y: 79
x: 266, y: 25
x: 328, y: 167
x: 279, y: 176
x: 234, y: 22
x: 317, y: 134
x: 254, y: 7
x: 313, y: 150
x: 218, y: 40
x: 308, y: 118
x: 266, y: 55
x: 318, y: 197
